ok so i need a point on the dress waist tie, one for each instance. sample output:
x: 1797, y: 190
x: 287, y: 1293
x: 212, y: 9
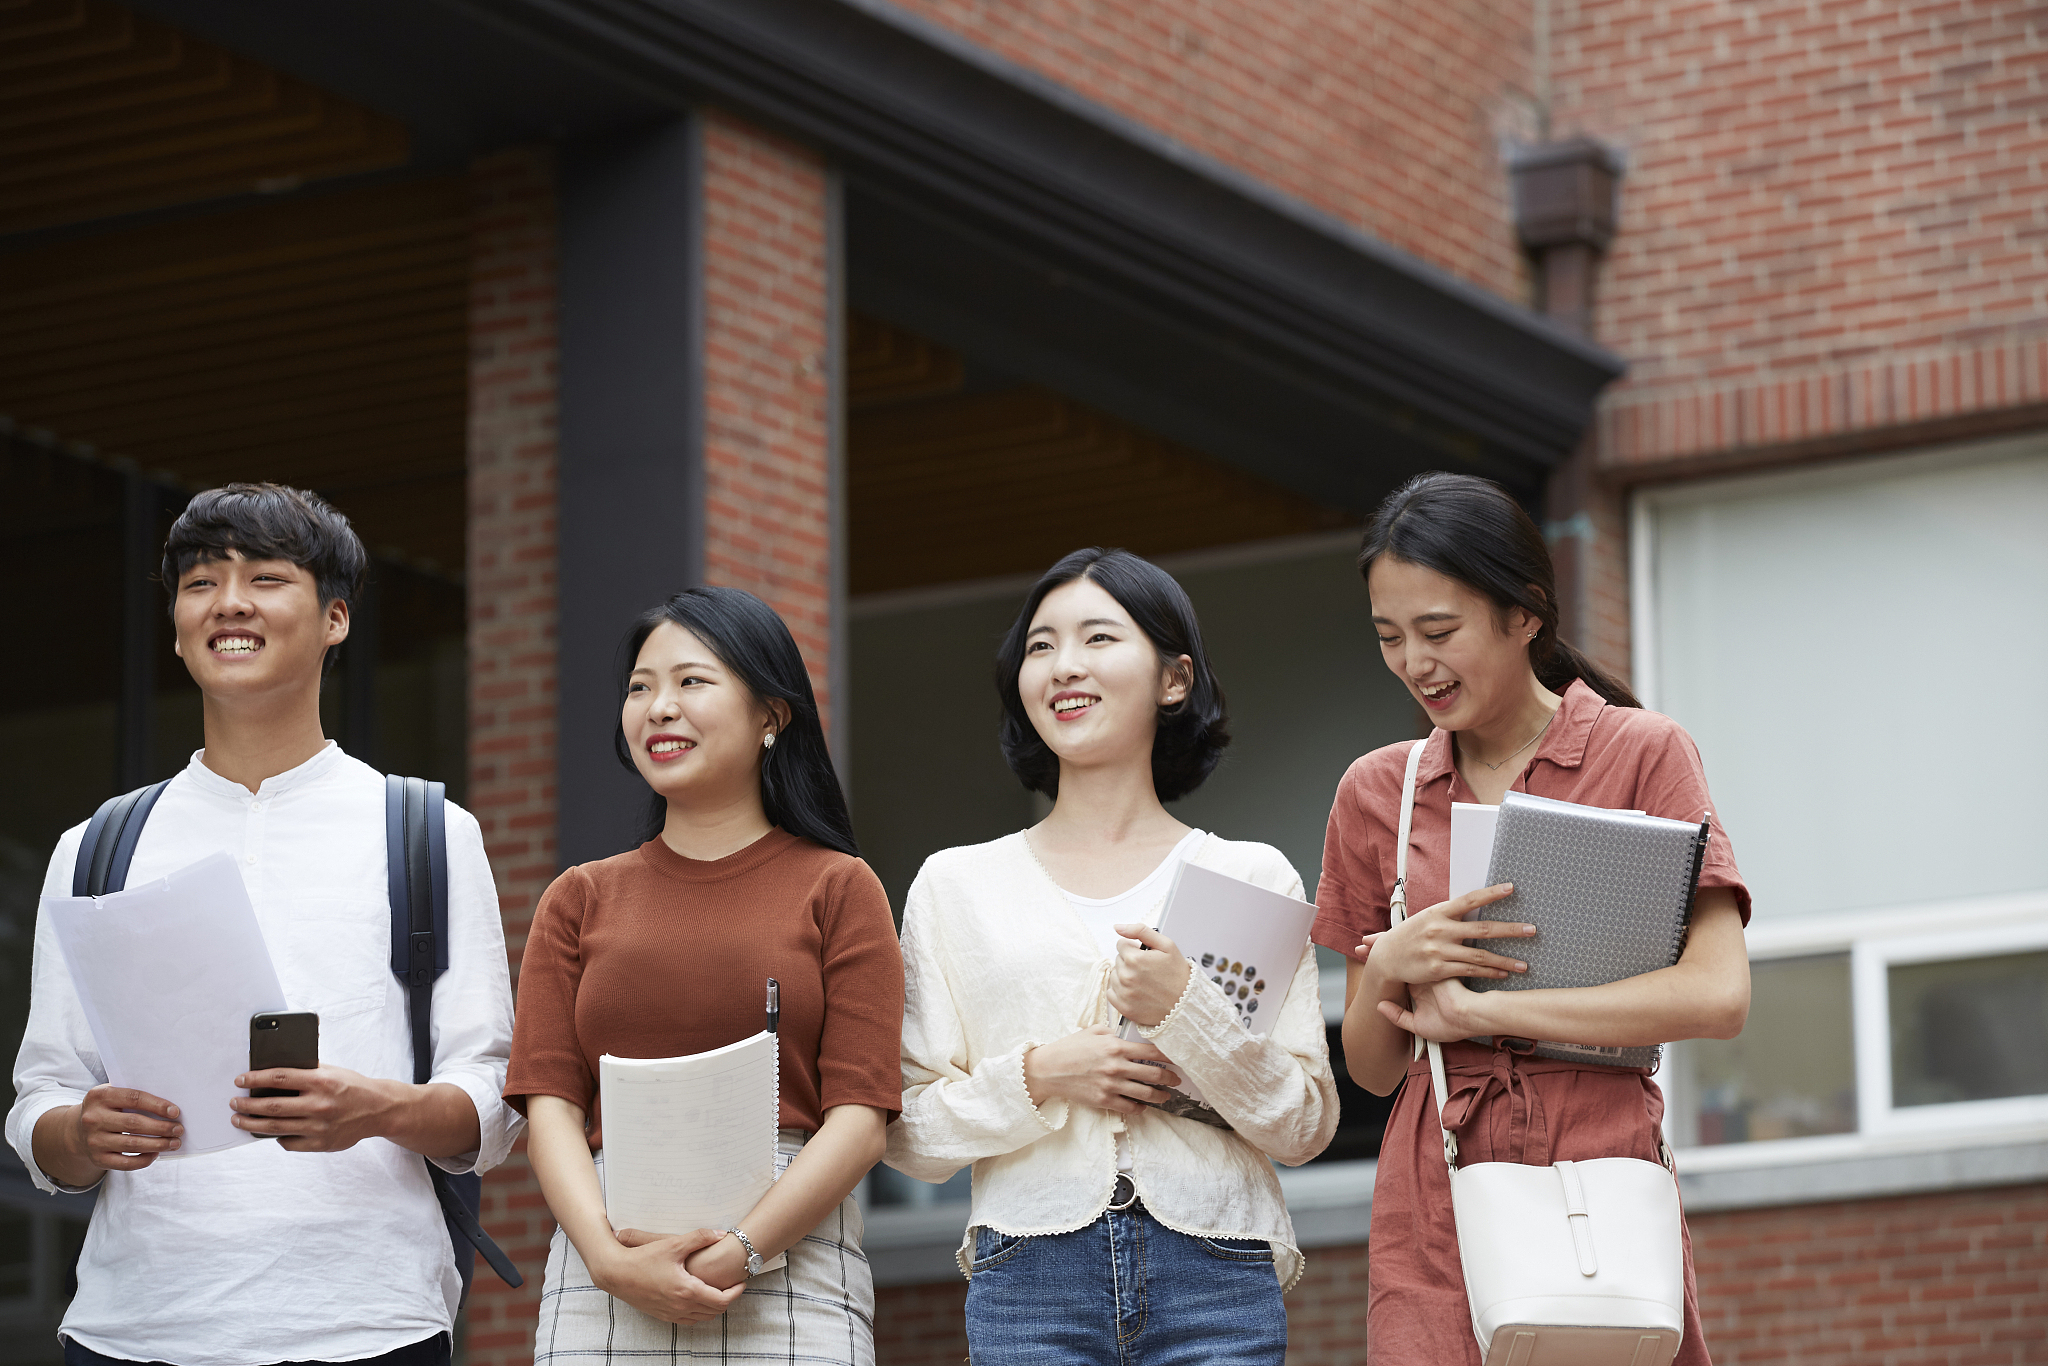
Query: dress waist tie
x: 1528, y: 1137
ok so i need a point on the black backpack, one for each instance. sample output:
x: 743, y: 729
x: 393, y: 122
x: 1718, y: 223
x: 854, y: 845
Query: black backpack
x: 416, y: 852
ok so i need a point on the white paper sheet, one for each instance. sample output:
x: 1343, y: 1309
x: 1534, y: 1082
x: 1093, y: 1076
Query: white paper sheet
x: 689, y: 1142
x: 169, y: 973
x: 1471, y: 845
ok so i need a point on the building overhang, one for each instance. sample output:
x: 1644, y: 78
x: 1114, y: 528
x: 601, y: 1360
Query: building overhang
x: 998, y: 211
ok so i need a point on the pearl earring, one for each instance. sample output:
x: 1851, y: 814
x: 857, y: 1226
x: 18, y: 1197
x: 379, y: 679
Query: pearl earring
x: 768, y: 741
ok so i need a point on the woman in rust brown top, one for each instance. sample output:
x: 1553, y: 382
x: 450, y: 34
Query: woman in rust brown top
x: 749, y: 872
x: 1464, y: 604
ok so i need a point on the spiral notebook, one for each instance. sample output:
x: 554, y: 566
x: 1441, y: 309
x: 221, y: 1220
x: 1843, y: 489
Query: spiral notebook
x: 689, y: 1142
x: 1610, y: 894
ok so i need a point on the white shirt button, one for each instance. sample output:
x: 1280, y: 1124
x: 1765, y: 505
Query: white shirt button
x: 256, y: 806
x: 252, y: 858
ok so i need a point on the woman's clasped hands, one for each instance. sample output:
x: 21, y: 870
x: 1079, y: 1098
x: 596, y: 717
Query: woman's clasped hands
x: 1431, y: 951
x: 647, y: 1272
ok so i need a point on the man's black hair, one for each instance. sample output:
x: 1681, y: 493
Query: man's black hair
x: 269, y: 522
x: 1192, y: 732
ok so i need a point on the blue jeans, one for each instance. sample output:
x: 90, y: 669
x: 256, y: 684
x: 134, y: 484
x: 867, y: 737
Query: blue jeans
x: 1124, y: 1291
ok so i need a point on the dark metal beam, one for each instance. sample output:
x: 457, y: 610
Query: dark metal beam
x: 142, y: 603
x: 630, y: 473
x: 359, y: 670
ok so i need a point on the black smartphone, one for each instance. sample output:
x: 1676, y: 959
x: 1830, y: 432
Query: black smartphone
x: 283, y: 1038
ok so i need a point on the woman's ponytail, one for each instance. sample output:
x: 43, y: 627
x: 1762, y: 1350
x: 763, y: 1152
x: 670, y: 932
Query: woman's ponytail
x: 1563, y: 663
x: 1469, y: 529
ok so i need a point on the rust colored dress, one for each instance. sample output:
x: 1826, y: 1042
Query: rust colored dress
x: 1503, y: 1107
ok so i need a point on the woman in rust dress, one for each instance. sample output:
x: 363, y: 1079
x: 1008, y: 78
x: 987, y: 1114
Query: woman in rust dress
x: 1463, y: 601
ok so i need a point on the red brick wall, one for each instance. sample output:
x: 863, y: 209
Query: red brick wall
x: 1928, y: 1280
x: 1835, y: 215
x: 512, y: 639
x: 1326, y: 1309
x: 921, y: 1325
x: 1834, y: 238
x: 1388, y: 115
x: 767, y: 301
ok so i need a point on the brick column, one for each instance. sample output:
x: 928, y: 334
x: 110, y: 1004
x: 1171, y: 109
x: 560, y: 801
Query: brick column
x: 767, y: 421
x: 512, y: 640
x: 1586, y: 524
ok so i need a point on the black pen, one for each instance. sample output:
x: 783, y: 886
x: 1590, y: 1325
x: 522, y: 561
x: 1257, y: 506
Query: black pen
x: 774, y: 1004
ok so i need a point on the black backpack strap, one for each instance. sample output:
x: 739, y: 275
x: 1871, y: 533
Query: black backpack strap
x: 108, y: 846
x: 416, y: 854
x: 419, y: 920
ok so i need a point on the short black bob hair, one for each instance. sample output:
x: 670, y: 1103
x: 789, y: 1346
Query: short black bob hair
x: 269, y: 522
x: 1472, y: 530
x: 1192, y: 732
x: 799, y: 787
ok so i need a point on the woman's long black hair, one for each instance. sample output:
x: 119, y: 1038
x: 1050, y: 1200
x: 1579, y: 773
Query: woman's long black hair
x: 799, y: 787
x: 1471, y: 530
x: 1192, y: 732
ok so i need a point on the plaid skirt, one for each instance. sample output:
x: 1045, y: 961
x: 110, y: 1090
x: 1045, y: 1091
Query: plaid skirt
x: 820, y: 1308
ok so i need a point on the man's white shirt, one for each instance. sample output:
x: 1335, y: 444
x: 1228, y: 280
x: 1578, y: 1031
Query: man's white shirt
x: 256, y: 1254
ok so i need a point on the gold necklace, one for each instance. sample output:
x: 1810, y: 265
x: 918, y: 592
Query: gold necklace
x: 1495, y: 768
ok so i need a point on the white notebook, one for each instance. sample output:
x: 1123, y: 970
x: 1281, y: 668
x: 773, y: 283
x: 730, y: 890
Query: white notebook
x: 168, y: 974
x: 1246, y: 941
x: 689, y: 1142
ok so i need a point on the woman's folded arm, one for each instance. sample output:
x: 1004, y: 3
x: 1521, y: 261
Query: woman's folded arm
x: 1276, y: 1090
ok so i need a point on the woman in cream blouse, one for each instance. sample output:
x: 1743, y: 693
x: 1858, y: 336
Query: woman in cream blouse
x: 1104, y: 1229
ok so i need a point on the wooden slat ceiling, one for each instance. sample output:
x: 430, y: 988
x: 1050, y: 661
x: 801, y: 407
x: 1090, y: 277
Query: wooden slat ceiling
x: 321, y: 342
x: 104, y: 112
x: 945, y: 484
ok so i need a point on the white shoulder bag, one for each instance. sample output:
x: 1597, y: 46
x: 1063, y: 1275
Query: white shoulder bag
x: 1574, y: 1264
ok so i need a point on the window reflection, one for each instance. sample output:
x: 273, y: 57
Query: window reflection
x: 1792, y: 1071
x: 1969, y: 1029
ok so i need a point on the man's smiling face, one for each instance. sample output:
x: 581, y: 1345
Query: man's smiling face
x: 246, y: 627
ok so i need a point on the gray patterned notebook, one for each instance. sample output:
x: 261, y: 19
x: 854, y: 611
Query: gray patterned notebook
x: 1610, y: 895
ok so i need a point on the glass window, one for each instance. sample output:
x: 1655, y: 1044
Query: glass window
x: 1789, y: 569
x: 1789, y: 1074
x: 60, y: 527
x: 1969, y: 1029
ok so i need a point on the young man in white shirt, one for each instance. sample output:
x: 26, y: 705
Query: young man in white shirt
x: 325, y: 1242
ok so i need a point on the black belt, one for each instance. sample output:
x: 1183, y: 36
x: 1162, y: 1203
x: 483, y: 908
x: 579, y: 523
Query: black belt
x: 1124, y: 1193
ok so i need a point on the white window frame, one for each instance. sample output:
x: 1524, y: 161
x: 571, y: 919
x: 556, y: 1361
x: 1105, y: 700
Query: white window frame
x: 1873, y: 939
x: 1869, y: 964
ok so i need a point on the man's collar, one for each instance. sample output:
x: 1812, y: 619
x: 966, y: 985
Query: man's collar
x: 206, y: 780
x: 1564, y: 743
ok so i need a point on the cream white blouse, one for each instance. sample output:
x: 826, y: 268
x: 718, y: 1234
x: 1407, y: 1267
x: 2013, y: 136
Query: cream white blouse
x: 996, y: 962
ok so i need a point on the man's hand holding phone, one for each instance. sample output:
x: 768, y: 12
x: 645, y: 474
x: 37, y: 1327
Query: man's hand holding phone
x: 334, y: 1110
